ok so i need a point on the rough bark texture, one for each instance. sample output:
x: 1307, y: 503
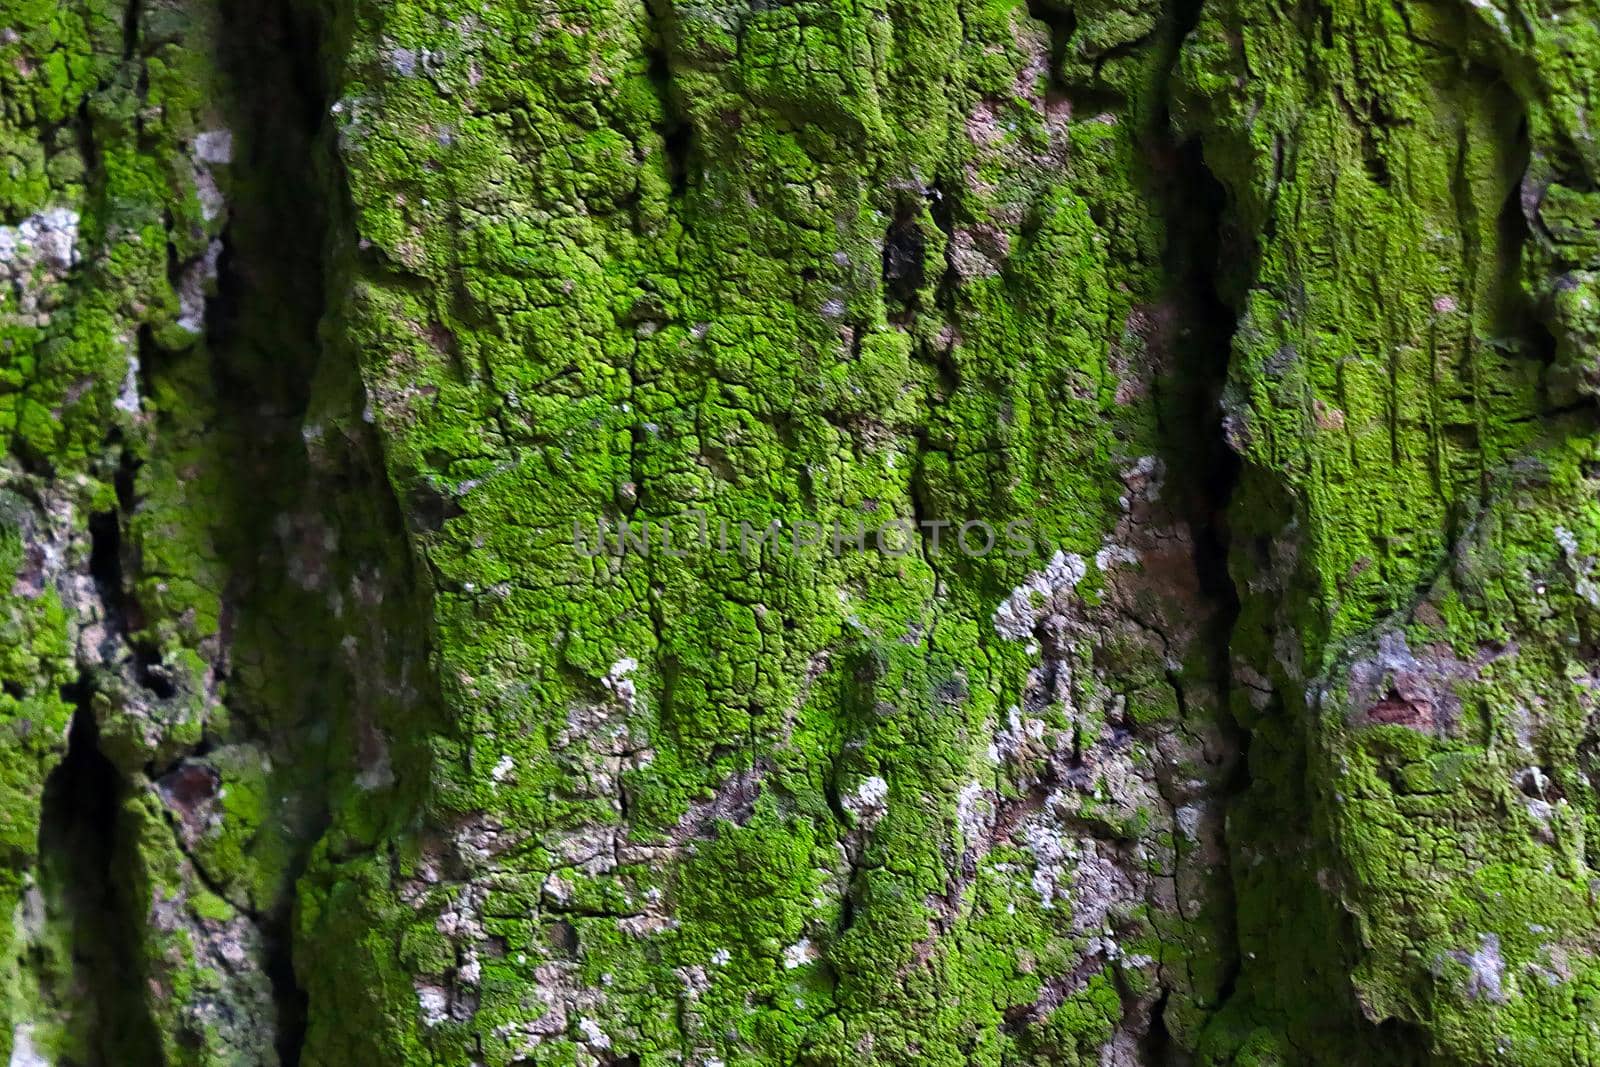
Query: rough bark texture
x: 325, y: 328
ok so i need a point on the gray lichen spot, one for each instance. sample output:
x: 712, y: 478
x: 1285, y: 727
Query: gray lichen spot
x: 199, y: 278
x: 37, y: 253
x: 1037, y: 597
x: 23, y: 1052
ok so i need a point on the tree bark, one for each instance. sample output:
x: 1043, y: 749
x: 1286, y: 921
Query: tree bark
x: 906, y: 532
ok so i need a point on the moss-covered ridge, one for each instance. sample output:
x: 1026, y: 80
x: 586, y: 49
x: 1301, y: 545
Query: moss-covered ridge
x: 1404, y: 393
x: 822, y: 263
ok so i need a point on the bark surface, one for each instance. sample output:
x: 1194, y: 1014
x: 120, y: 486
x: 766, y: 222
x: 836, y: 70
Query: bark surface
x: 493, y: 560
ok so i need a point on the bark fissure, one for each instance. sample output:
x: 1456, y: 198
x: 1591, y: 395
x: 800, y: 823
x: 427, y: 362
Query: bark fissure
x: 84, y: 860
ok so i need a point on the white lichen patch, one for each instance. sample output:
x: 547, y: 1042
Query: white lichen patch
x: 433, y: 1001
x: 1416, y: 688
x: 1123, y: 1050
x: 979, y: 251
x: 591, y: 850
x: 214, y: 146
x: 23, y: 1051
x: 128, y: 392
x: 35, y: 254
x: 376, y: 770
x: 208, y: 151
x: 1019, y: 736
x: 402, y: 61
x: 1053, y: 859
x: 558, y: 994
x: 198, y: 281
x: 1113, y: 554
x: 974, y: 813
x: 1188, y: 819
x: 618, y: 682
x: 593, y: 1036
x: 648, y: 924
x: 1581, y: 566
x: 308, y: 542
x: 800, y: 953
x: 1486, y: 970
x: 1142, y: 481
x: 868, y: 801
x: 1039, y: 596
x: 695, y: 980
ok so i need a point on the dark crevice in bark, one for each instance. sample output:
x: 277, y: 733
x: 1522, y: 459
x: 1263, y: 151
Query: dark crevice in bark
x: 1157, y: 1048
x: 290, y: 244
x: 264, y: 350
x: 1200, y: 248
x: 1197, y: 252
x: 1062, y: 22
x: 130, y: 28
x: 87, y: 870
x: 105, y: 556
x: 1202, y: 255
x: 904, y: 258
x: 1517, y: 238
x: 150, y: 357
x: 940, y: 199
x: 123, y: 615
x: 1213, y: 469
x: 80, y: 846
x: 677, y: 135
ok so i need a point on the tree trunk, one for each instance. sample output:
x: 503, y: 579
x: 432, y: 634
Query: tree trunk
x: 941, y: 532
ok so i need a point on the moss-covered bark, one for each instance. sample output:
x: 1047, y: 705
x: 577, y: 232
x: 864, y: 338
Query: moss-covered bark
x: 349, y: 353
